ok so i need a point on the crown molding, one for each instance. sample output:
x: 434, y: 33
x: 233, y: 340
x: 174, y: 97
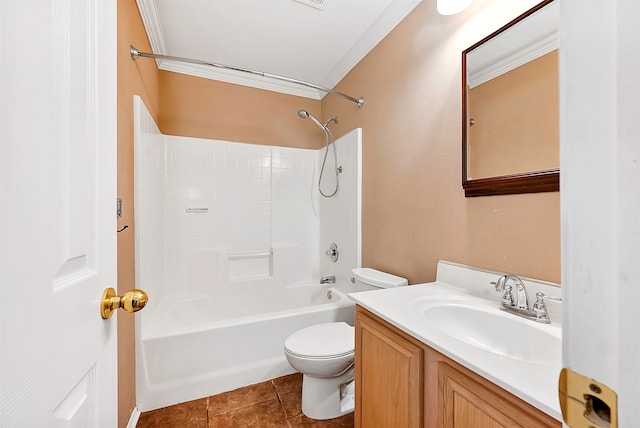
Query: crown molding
x: 240, y: 78
x: 392, y: 16
x: 518, y: 58
x: 149, y: 13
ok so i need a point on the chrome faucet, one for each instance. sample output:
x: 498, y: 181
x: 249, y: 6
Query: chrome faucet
x: 520, y: 304
x: 328, y: 279
x: 522, y: 297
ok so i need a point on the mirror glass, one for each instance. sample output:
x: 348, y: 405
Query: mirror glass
x: 510, y: 105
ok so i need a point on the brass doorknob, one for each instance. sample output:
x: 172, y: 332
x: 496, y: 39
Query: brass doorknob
x: 131, y: 301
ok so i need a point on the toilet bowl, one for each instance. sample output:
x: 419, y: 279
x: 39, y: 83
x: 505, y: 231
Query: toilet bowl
x: 324, y: 354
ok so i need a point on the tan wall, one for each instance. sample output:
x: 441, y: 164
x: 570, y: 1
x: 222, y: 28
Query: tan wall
x: 141, y: 78
x: 516, y: 119
x: 205, y: 108
x: 414, y: 209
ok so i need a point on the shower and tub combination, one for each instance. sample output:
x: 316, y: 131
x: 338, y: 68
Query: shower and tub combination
x: 232, y: 240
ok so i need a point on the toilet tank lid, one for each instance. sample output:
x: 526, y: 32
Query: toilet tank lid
x: 378, y: 278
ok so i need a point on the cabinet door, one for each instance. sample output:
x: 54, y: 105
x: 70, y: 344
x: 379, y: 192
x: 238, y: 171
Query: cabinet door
x: 389, y: 377
x: 468, y: 403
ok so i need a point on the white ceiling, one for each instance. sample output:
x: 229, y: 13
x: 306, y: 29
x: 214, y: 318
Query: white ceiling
x: 318, y: 41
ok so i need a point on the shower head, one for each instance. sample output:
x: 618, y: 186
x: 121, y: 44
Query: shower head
x: 305, y: 115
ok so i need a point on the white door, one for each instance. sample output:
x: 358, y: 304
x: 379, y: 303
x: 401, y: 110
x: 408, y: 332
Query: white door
x: 57, y: 196
x: 600, y: 197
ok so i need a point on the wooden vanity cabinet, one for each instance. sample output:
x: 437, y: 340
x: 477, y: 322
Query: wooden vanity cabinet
x: 389, y: 375
x: 401, y: 382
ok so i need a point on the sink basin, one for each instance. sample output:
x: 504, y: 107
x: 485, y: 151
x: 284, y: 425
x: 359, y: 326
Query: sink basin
x: 482, y: 325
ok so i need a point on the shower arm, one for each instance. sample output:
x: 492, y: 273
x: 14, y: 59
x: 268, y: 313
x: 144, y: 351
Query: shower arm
x: 135, y: 54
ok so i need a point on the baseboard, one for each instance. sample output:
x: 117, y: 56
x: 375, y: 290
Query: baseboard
x: 133, y: 420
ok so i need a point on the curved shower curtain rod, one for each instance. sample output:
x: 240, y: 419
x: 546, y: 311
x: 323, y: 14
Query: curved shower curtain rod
x: 135, y: 54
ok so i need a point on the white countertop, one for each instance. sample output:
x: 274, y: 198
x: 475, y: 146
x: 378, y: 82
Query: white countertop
x: 535, y: 384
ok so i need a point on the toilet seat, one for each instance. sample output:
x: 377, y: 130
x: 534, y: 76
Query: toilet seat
x: 322, y: 341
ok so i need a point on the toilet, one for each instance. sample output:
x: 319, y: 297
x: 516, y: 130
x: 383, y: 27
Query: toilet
x: 324, y: 354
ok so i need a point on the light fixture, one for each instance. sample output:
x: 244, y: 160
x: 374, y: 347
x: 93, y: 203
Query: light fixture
x: 451, y: 7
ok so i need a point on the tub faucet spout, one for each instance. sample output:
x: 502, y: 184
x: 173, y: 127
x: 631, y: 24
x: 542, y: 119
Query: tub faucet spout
x: 328, y: 279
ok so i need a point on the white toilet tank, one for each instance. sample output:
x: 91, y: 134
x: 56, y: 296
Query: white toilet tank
x: 370, y: 279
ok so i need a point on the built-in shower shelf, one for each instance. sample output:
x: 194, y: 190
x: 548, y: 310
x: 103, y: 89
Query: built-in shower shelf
x: 250, y: 255
x: 250, y: 265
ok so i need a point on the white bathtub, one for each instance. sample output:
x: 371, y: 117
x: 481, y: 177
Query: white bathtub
x: 199, y: 346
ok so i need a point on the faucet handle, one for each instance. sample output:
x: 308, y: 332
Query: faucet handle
x: 332, y: 252
x: 541, y: 296
x: 500, y: 283
x: 507, y: 297
x: 539, y: 308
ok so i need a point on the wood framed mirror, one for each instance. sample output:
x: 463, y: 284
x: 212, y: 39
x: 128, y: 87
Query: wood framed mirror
x: 510, y: 117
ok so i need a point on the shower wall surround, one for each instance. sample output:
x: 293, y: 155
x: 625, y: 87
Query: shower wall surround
x: 213, y: 215
x: 340, y: 215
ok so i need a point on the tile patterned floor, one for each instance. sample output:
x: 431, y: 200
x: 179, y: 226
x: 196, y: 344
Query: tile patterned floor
x: 272, y: 404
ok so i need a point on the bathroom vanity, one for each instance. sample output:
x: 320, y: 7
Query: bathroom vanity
x: 412, y: 372
x: 401, y: 382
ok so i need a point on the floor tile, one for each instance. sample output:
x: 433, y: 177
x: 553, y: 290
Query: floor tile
x: 192, y: 414
x: 268, y: 414
x: 291, y: 403
x: 287, y: 383
x: 345, y: 421
x: 241, y: 397
x: 273, y: 404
